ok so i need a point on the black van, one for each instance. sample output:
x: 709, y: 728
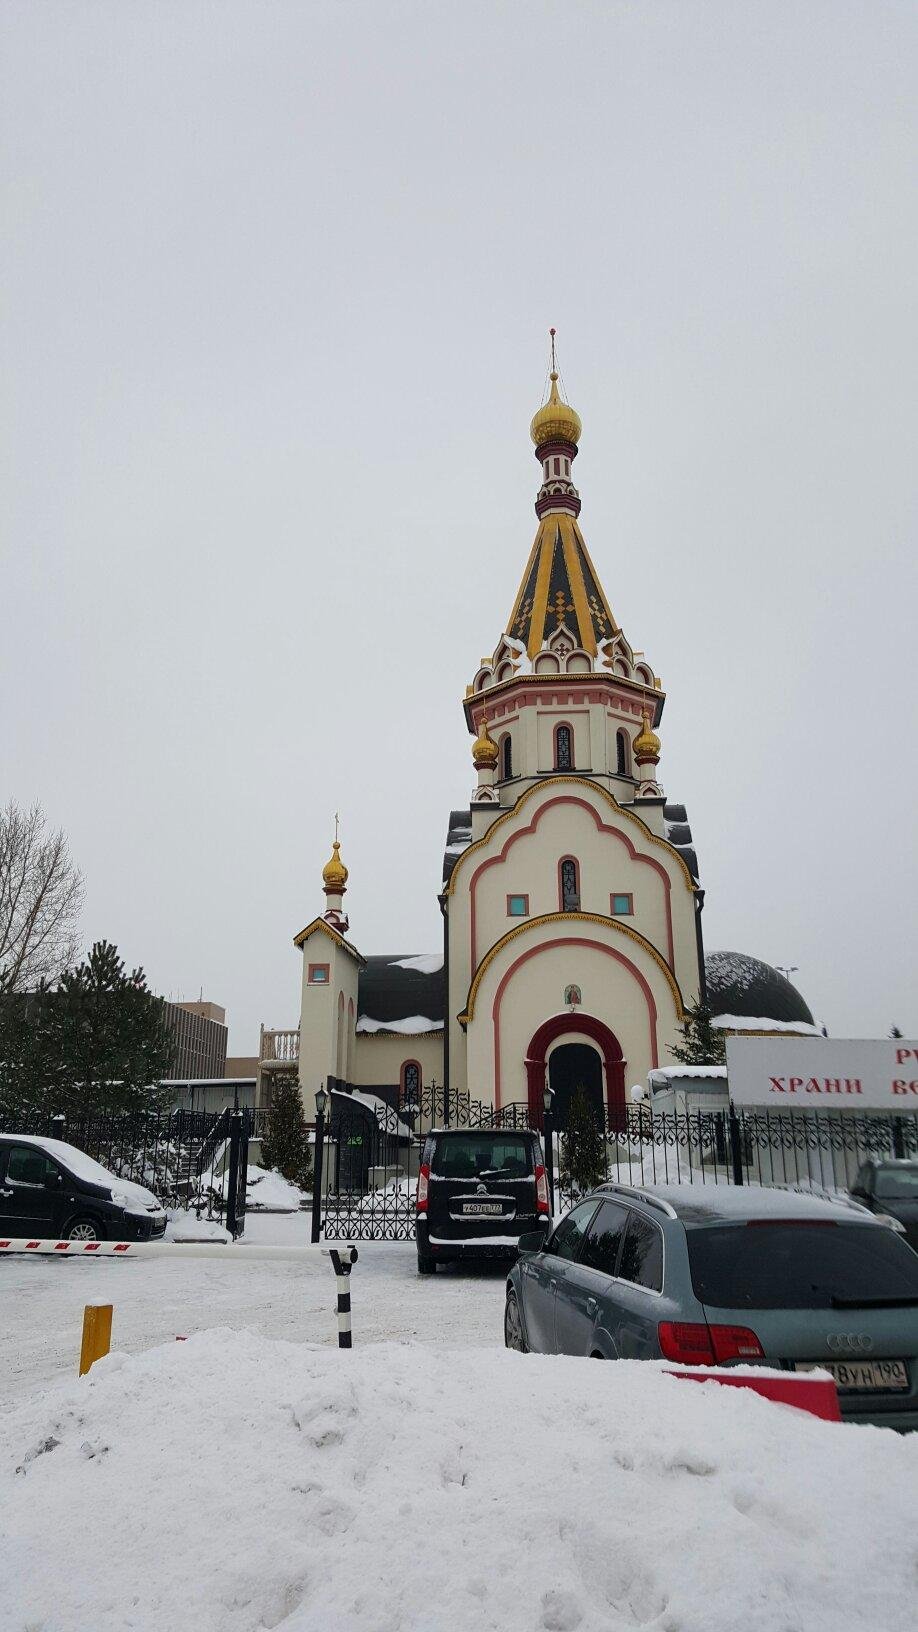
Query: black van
x: 479, y: 1190
x: 51, y: 1191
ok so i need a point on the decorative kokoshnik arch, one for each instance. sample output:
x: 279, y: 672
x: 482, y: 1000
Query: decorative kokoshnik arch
x: 579, y: 1024
x: 623, y: 932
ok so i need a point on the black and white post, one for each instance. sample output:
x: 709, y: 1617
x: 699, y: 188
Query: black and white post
x: 343, y: 1263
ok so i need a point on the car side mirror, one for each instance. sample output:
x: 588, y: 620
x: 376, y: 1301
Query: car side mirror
x: 53, y: 1181
x: 859, y: 1192
x: 534, y: 1241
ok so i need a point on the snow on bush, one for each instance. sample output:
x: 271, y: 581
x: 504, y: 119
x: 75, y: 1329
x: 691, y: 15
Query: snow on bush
x: 232, y: 1484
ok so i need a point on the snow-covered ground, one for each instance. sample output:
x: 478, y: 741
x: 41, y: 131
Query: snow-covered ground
x: 236, y: 1483
x: 155, y: 1301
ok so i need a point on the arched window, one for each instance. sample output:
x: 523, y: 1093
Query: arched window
x: 506, y: 757
x: 411, y: 1082
x: 564, y: 748
x: 569, y: 885
x: 622, y: 752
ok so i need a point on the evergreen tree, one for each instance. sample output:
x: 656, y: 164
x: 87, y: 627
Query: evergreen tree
x: 702, y: 1043
x: 895, y: 1032
x: 107, y: 1038
x: 583, y: 1146
x: 285, y: 1147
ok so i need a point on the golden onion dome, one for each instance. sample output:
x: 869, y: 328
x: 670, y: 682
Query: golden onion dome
x: 485, y: 751
x: 334, y: 873
x: 556, y: 421
x: 646, y: 743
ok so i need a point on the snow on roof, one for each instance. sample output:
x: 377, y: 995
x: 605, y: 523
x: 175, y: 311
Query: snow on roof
x: 386, y: 1116
x: 706, y: 1202
x: 427, y: 962
x: 412, y: 1025
x: 746, y: 1022
x: 667, y: 1071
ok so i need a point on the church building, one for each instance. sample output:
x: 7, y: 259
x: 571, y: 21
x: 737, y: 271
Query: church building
x: 570, y: 893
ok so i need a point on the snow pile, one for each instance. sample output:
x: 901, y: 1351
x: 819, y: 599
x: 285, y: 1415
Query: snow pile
x: 185, y: 1226
x: 238, y: 1484
x: 269, y: 1192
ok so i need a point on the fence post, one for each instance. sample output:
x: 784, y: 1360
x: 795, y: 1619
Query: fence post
x: 317, y: 1165
x: 232, y: 1222
x: 736, y: 1145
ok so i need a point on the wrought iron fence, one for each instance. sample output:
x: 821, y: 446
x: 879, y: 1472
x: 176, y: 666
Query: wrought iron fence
x: 158, y: 1149
x: 371, y: 1195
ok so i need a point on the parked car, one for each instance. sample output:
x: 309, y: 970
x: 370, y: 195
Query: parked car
x: 717, y: 1276
x: 478, y: 1191
x: 49, y: 1190
x: 889, y: 1187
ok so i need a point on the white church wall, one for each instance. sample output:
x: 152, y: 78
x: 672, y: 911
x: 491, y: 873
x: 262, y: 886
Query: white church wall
x: 621, y: 984
x: 379, y: 1057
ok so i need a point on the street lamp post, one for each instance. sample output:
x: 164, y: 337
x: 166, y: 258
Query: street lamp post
x: 321, y: 1108
x: 549, y: 1133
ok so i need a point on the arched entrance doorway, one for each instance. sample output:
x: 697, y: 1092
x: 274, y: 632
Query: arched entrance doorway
x: 578, y: 1026
x: 571, y: 1067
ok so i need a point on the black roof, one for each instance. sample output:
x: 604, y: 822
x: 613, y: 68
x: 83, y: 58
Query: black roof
x: 458, y: 838
x: 738, y: 984
x: 387, y: 992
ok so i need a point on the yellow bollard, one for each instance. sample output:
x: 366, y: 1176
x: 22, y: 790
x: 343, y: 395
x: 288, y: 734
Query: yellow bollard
x: 97, y: 1334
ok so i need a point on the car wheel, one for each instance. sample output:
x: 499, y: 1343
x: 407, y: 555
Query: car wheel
x: 84, y: 1229
x: 513, y: 1326
x: 427, y: 1266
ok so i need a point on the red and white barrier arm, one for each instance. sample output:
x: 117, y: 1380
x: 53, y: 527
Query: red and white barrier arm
x: 233, y: 1252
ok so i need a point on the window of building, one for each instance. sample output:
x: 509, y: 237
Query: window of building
x: 622, y: 906
x: 318, y: 974
x: 622, y: 753
x: 557, y: 467
x: 564, y: 748
x: 506, y: 757
x: 517, y: 906
x: 411, y: 1081
x: 569, y: 885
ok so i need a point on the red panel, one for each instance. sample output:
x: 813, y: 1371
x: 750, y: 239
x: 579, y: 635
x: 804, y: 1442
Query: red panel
x: 810, y: 1394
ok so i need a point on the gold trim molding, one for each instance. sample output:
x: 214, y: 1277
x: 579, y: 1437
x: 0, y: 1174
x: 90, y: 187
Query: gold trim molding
x: 615, y: 924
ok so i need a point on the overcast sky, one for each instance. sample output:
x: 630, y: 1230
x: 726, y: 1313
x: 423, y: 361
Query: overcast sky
x: 276, y: 286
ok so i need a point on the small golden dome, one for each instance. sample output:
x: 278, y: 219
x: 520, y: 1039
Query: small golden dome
x: 485, y: 751
x: 646, y: 743
x: 334, y: 873
x: 556, y: 421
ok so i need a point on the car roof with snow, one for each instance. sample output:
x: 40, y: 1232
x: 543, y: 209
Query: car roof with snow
x: 726, y: 1203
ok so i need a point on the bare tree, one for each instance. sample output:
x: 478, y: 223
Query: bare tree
x: 41, y: 894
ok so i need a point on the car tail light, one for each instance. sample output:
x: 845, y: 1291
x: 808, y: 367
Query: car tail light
x: 423, y: 1182
x: 735, y: 1343
x: 689, y: 1342
x: 543, y: 1205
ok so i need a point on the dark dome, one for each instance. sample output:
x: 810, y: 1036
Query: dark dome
x: 738, y: 984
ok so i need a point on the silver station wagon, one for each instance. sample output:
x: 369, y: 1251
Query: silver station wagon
x: 721, y: 1275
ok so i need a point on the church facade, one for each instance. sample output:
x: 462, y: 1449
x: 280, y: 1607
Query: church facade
x: 570, y: 896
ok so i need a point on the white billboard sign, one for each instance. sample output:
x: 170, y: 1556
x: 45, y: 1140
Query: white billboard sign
x: 823, y: 1073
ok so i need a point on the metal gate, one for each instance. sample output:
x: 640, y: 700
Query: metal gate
x: 372, y: 1153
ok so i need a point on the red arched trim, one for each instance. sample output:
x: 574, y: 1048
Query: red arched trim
x: 564, y: 725
x: 602, y: 827
x: 548, y: 946
x: 610, y: 1048
x: 561, y: 906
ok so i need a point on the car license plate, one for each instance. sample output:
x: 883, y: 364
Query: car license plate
x: 886, y: 1375
x: 486, y: 1209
